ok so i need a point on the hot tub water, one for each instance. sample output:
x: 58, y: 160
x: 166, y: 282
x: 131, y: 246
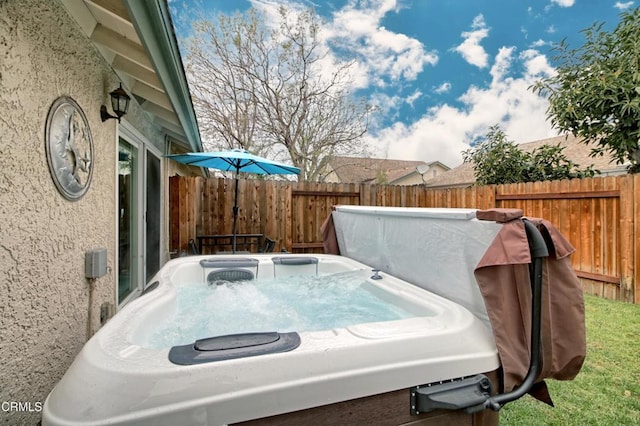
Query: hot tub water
x: 295, y: 303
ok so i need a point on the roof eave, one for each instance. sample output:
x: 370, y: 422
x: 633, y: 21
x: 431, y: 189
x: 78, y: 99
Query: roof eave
x: 152, y: 21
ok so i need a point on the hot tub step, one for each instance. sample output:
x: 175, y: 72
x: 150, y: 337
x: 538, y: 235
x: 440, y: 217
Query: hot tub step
x: 468, y: 393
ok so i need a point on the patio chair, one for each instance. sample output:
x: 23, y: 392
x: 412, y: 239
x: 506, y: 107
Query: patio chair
x: 193, y: 248
x: 269, y: 245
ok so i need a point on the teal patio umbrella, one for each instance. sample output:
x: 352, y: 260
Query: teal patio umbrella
x: 236, y: 160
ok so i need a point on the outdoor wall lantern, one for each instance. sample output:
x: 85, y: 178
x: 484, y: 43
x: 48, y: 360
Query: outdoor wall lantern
x: 119, y: 104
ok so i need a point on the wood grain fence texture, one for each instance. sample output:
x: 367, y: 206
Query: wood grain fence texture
x: 597, y: 216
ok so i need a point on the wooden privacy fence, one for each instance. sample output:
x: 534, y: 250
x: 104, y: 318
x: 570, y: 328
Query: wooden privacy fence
x: 597, y: 216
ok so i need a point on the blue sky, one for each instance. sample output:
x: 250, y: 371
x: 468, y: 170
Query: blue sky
x: 442, y: 71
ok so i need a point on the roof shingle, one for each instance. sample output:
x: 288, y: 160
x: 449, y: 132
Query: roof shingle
x: 363, y: 170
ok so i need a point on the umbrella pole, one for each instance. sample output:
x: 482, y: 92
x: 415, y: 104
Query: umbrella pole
x: 235, y: 215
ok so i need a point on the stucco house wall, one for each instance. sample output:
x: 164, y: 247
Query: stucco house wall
x: 44, y: 295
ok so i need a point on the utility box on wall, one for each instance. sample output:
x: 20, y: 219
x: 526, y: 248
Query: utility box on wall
x: 95, y: 263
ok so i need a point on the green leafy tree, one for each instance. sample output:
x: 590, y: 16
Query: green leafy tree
x: 596, y: 92
x: 548, y: 162
x: 496, y: 160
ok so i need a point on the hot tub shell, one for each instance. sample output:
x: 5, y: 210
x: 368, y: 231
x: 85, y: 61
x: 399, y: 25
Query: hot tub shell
x: 114, y: 380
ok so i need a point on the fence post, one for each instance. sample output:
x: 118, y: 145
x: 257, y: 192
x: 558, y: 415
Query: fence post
x: 628, y: 233
x: 288, y: 215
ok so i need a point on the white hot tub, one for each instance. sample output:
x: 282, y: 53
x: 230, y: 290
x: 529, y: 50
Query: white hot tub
x: 200, y: 346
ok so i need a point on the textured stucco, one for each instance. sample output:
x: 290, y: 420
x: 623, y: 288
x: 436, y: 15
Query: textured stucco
x: 44, y: 295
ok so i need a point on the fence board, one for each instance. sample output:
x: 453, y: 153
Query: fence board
x: 613, y: 243
x: 596, y: 215
x: 596, y: 226
x: 574, y: 222
x: 174, y: 214
x: 586, y: 232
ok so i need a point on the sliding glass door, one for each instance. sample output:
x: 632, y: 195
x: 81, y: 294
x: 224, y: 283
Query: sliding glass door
x: 139, y: 214
x: 128, y: 214
x: 153, y: 215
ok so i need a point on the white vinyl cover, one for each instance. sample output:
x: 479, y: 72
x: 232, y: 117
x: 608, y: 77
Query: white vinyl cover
x: 434, y: 248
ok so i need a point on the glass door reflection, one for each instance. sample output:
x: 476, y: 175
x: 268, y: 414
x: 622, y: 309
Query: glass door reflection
x: 128, y: 176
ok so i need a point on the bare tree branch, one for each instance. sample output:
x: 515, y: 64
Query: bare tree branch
x: 275, y: 91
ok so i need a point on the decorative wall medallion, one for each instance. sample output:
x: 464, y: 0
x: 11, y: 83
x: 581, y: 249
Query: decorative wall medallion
x: 69, y: 147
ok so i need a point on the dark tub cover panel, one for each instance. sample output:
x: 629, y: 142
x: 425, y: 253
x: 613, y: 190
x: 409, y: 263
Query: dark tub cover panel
x: 503, y: 278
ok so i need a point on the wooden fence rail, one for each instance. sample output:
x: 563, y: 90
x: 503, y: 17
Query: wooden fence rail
x: 597, y: 216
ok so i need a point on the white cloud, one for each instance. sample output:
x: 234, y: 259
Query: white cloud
x: 502, y: 63
x: 413, y: 97
x: 386, y: 56
x: 443, y: 88
x: 623, y: 6
x: 383, y: 57
x: 444, y: 131
x: 539, y: 43
x: 387, y: 105
x: 270, y: 10
x: 536, y: 65
x: 551, y: 29
x: 470, y: 48
x: 564, y: 3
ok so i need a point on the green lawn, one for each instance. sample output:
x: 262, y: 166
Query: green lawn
x: 607, y: 389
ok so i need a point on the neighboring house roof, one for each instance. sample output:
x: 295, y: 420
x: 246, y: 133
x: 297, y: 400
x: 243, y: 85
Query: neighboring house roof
x: 463, y: 175
x: 137, y: 39
x: 369, y: 170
